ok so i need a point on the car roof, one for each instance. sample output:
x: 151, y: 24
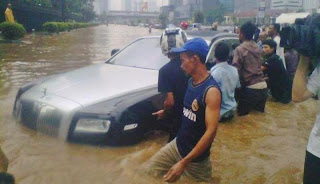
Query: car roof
x: 206, y: 34
x: 207, y: 39
x: 223, y: 35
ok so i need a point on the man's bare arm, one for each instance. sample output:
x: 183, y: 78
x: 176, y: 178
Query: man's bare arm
x: 169, y: 101
x: 300, y: 92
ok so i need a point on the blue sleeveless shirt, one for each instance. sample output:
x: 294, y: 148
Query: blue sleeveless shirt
x: 193, y: 124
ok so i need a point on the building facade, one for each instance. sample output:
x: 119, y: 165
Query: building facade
x: 185, y: 9
x: 101, y: 6
x: 287, y: 5
x: 126, y: 5
x: 251, y: 9
x: 311, y: 5
x: 229, y: 5
x: 153, y: 6
x: 246, y: 8
x: 176, y: 3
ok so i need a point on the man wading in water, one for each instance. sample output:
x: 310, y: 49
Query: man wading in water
x: 189, y: 153
x: 172, y: 81
x: 253, y: 93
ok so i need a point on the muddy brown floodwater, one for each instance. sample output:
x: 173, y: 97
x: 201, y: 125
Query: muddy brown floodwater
x: 258, y: 148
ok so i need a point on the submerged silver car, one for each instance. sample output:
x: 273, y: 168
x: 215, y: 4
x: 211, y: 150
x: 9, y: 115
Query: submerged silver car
x: 109, y: 103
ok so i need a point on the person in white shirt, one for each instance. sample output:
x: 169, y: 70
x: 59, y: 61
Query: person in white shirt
x: 303, y: 89
x: 274, y: 33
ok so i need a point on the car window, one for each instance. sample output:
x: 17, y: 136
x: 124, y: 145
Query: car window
x: 143, y: 53
x: 229, y: 41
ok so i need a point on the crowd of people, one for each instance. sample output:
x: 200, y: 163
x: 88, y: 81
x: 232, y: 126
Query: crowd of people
x: 260, y: 68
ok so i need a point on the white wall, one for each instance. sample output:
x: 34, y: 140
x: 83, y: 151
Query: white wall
x: 310, y: 5
x: 115, y: 5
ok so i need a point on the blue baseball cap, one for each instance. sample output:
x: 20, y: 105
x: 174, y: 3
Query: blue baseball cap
x: 197, y: 45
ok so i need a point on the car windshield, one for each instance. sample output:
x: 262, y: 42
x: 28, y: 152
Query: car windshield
x: 143, y: 53
x: 229, y: 41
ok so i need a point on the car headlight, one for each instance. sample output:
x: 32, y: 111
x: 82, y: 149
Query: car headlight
x: 87, y: 125
x: 130, y: 127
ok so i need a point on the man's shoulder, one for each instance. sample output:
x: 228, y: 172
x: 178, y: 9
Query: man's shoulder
x: 244, y: 47
x: 212, y: 95
x: 224, y: 72
x: 231, y: 68
x: 275, y: 60
x: 273, y: 57
x: 212, y: 82
x: 165, y: 68
x: 240, y: 47
x: 223, y: 69
x: 171, y: 65
x: 216, y: 73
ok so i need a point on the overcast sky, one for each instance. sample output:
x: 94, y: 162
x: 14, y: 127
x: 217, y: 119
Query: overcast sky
x: 116, y: 4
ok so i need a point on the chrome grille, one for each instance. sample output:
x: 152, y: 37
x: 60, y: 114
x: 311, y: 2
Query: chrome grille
x: 49, y: 121
x: 28, y: 116
x: 40, y: 117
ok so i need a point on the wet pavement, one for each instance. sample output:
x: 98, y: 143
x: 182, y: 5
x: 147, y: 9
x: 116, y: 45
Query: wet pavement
x: 258, y: 148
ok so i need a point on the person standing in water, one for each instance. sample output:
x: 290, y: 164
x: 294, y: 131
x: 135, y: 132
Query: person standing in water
x: 172, y: 82
x: 189, y: 153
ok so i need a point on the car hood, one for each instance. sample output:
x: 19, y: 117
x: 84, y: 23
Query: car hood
x: 96, y: 83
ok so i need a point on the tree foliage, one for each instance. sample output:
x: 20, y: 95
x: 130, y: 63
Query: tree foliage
x: 216, y: 14
x: 83, y: 7
x: 198, y: 17
x: 12, y: 31
x: 55, y: 27
x: 163, y: 19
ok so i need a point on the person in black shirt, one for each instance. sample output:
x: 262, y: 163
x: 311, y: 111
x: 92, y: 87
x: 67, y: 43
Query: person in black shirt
x: 279, y: 82
x: 172, y: 82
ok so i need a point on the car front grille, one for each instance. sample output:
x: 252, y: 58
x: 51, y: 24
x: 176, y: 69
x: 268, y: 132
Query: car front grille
x: 40, y: 117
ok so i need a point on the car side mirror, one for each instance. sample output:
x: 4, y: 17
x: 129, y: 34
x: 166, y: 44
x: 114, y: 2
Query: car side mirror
x: 114, y: 51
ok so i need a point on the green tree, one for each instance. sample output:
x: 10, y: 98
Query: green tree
x: 216, y: 14
x: 163, y: 19
x: 198, y: 17
x: 66, y: 7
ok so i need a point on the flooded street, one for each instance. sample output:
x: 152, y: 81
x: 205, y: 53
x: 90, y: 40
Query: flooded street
x: 258, y: 148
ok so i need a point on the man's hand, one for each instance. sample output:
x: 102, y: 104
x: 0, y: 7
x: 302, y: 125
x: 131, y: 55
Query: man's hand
x: 175, y: 172
x: 160, y: 114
